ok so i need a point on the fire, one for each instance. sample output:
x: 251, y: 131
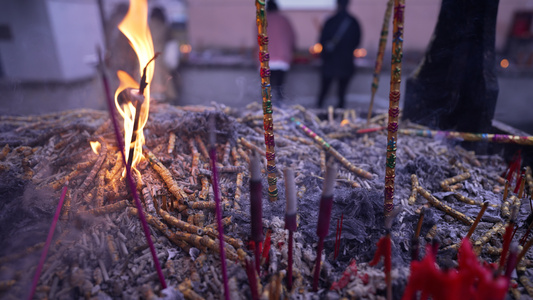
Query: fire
x: 95, y: 146
x: 135, y: 28
x: 345, y: 122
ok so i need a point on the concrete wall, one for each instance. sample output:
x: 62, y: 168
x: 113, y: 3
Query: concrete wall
x: 30, y: 54
x: 231, y: 23
x: 52, y: 40
x: 77, y: 31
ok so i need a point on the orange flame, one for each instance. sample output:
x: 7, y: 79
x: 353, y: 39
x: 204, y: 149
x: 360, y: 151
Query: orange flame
x: 95, y: 146
x: 135, y: 28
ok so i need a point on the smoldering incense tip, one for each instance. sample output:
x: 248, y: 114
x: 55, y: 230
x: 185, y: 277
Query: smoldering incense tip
x: 290, y: 191
x: 255, y: 167
x: 329, y: 180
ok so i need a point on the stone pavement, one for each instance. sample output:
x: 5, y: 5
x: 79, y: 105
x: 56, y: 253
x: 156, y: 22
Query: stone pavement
x: 239, y: 85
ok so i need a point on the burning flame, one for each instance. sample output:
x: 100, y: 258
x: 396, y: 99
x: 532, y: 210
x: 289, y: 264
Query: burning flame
x: 345, y: 122
x: 95, y: 146
x: 135, y: 28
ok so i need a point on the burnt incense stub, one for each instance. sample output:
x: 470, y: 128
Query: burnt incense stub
x: 99, y: 233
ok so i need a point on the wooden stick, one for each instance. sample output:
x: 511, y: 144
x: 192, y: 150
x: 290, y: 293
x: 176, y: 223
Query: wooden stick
x: 445, y: 208
x: 414, y: 191
x: 478, y: 218
x: 165, y: 174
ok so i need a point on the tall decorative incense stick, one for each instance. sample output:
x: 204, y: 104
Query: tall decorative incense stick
x: 394, y: 101
x: 129, y: 177
x: 324, y: 216
x: 471, y: 137
x: 326, y: 146
x: 214, y: 179
x: 379, y: 58
x: 268, y: 123
x: 256, y: 209
x: 290, y: 218
x: 47, y: 243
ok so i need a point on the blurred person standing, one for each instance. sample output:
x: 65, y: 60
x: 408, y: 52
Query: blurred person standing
x: 340, y: 36
x: 282, y: 42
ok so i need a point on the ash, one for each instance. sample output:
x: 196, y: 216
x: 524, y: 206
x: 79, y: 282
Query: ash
x: 99, y: 250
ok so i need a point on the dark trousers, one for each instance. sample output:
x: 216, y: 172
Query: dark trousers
x: 276, y: 82
x: 341, y: 92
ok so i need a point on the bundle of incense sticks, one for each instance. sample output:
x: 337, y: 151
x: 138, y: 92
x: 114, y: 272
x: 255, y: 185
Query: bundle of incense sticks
x: 379, y: 58
x: 472, y: 137
x: 268, y: 123
x: 394, y: 101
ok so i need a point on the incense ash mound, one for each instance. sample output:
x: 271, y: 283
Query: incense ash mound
x: 99, y: 250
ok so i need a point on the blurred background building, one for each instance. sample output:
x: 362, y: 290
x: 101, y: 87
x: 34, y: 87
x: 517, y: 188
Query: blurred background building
x: 48, y: 51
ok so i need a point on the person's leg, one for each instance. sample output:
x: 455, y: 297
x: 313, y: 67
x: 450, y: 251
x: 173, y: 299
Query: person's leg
x: 343, y: 86
x: 276, y: 79
x: 281, y: 90
x: 324, y: 87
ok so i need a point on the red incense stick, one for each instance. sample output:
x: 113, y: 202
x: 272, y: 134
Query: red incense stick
x: 47, y: 243
x: 511, y: 260
x: 129, y: 177
x: 214, y: 179
x: 506, y: 242
x: 324, y: 216
x: 252, y: 279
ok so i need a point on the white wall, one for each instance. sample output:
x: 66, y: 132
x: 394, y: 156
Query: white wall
x: 230, y: 23
x: 77, y: 31
x: 30, y: 54
x: 52, y: 40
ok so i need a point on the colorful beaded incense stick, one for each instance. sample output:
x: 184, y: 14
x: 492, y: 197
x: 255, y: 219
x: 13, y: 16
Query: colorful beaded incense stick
x: 379, y: 58
x: 394, y: 100
x: 264, y: 56
x: 326, y: 146
x: 472, y: 137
